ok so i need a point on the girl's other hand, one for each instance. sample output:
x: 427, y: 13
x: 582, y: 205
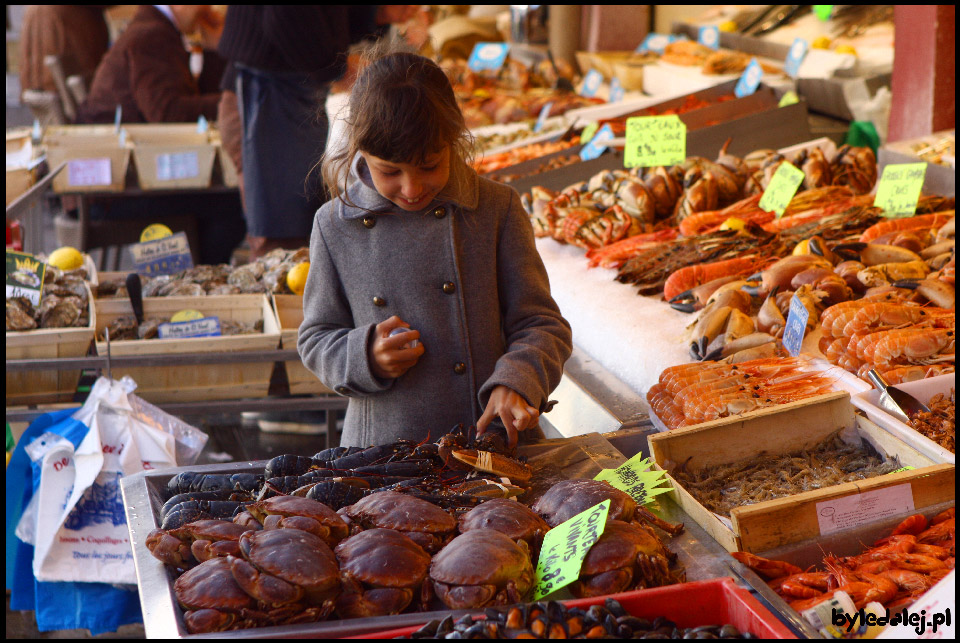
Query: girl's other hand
x: 388, y: 357
x: 513, y: 410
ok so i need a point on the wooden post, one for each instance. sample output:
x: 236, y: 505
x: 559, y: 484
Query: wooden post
x: 924, y: 68
x: 613, y: 27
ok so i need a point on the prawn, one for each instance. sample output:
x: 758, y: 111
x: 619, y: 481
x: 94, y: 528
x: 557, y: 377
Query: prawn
x: 927, y: 344
x: 766, y: 567
x: 925, y: 221
x: 692, y: 276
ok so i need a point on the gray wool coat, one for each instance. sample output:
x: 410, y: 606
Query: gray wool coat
x: 464, y: 272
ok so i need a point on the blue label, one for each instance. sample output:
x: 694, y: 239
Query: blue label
x: 206, y: 327
x: 117, y: 115
x: 164, y: 256
x: 597, y: 144
x: 591, y: 83
x: 798, y: 50
x: 796, y: 326
x: 544, y: 113
x: 488, y: 55
x: 616, y: 91
x: 709, y: 37
x: 750, y: 79
x: 202, y: 125
x: 655, y: 42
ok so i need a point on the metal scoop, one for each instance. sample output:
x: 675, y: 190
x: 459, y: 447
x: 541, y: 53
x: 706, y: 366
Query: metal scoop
x: 896, y: 402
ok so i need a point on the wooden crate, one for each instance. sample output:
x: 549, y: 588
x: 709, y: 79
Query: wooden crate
x: 76, y: 142
x: 197, y: 382
x: 290, y: 314
x: 775, y: 523
x: 184, y: 150
x: 47, y: 387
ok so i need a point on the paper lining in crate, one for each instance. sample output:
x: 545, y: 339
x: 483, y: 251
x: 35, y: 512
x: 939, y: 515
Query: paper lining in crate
x: 290, y: 314
x: 171, y: 155
x: 201, y: 381
x: 799, y: 425
x: 96, y: 160
x: 44, y: 387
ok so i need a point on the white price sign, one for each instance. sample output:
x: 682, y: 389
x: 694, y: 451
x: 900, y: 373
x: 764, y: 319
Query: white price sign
x: 171, y: 167
x: 88, y: 172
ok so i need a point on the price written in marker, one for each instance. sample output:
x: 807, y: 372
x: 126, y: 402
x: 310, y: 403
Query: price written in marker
x: 781, y: 189
x: 635, y: 478
x: 564, y: 548
x: 899, y: 189
x: 652, y: 141
x: 796, y: 326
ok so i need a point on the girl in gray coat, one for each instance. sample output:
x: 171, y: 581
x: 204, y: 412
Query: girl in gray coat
x: 415, y: 240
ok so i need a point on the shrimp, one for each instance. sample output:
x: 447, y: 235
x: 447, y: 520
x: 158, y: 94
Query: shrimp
x: 885, y: 315
x: 805, y: 585
x: 915, y: 524
x: 692, y: 276
x: 944, y: 516
x: 903, y: 374
x: 766, y: 567
x: 925, y: 221
x: 928, y: 344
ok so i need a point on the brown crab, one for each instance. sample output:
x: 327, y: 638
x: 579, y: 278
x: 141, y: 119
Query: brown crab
x: 282, y: 566
x: 509, y: 517
x: 566, y: 499
x: 479, y: 568
x: 213, y: 600
x: 197, y: 541
x: 627, y: 555
x: 381, y: 571
x: 293, y: 512
x: 423, y: 522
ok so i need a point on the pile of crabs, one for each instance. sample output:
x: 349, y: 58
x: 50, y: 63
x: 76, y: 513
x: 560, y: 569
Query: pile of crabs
x: 334, y: 540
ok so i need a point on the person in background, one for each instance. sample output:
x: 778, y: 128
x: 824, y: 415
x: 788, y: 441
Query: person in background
x: 78, y: 34
x: 285, y: 57
x: 148, y: 70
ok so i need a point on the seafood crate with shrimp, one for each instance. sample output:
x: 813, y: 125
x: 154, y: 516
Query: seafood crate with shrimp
x: 289, y: 310
x: 937, y: 150
x: 194, y: 382
x: 924, y: 390
x: 767, y: 509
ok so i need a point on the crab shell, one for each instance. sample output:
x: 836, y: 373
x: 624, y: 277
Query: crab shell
x: 293, y: 512
x: 283, y: 566
x: 566, y: 499
x: 197, y: 541
x: 212, y: 597
x: 381, y: 570
x: 425, y: 523
x: 479, y: 568
x: 509, y: 517
x: 627, y: 555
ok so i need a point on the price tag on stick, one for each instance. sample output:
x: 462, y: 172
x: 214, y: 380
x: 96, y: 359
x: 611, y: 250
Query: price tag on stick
x: 750, y: 79
x: 163, y: 256
x: 544, y: 114
x: 899, y: 189
x: 709, y: 36
x: 616, y: 91
x: 488, y: 56
x: 655, y: 140
x: 635, y: 478
x: 597, y: 144
x: 796, y: 326
x: 798, y: 50
x: 564, y: 548
x: 783, y: 186
x: 591, y: 83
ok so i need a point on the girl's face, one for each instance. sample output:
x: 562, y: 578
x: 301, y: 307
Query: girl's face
x: 410, y: 187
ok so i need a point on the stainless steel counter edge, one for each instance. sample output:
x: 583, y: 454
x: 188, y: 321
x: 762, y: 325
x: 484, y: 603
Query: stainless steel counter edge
x: 615, y: 397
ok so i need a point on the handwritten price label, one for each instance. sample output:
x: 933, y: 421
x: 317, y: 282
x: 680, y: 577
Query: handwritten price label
x: 205, y: 327
x: 88, y: 172
x: 635, y: 478
x: 783, y: 186
x: 564, y: 548
x: 654, y: 141
x: 796, y: 326
x: 899, y: 189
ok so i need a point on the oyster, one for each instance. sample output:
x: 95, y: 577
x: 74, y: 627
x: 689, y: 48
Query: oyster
x: 20, y: 314
x: 153, y: 285
x: 63, y: 314
x: 182, y: 289
x: 247, y: 278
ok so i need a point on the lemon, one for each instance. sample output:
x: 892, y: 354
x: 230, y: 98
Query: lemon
x: 802, y: 248
x: 66, y: 258
x: 155, y: 231
x: 186, y: 315
x: 821, y: 42
x: 297, y: 277
x: 728, y: 26
x: 845, y: 49
x: 733, y: 223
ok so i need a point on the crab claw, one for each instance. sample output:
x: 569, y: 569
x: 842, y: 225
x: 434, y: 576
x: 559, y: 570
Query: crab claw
x: 263, y: 587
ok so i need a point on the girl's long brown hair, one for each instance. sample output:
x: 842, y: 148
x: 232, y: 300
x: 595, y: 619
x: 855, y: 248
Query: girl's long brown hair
x: 402, y: 109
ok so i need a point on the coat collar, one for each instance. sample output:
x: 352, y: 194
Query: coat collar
x: 462, y: 190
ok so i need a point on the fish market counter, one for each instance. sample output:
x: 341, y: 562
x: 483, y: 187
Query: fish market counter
x: 552, y: 461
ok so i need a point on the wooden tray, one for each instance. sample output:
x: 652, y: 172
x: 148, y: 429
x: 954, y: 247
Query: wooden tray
x: 155, y: 145
x: 290, y: 315
x: 775, y: 523
x: 201, y: 382
x: 75, y: 142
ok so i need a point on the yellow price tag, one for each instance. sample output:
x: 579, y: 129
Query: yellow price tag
x: 636, y: 478
x: 783, y: 186
x: 155, y: 231
x: 564, y: 548
x: 655, y: 140
x: 186, y: 315
x: 899, y: 189
x: 588, y: 132
x: 790, y: 98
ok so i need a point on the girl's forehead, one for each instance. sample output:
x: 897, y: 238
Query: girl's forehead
x: 429, y: 159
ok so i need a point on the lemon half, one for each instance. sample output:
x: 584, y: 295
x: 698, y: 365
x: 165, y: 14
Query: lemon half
x: 66, y: 258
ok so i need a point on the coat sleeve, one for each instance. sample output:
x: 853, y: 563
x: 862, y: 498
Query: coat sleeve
x: 328, y: 344
x: 538, y: 338
x: 163, y: 93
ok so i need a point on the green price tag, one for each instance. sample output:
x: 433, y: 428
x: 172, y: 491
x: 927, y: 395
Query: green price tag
x: 899, y: 189
x: 635, y: 478
x: 564, y: 548
x: 654, y: 141
x: 588, y: 132
x: 823, y: 11
x: 906, y: 468
x: 790, y: 98
x: 782, y: 187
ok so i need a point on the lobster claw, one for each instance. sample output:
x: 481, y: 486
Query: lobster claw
x: 685, y: 302
x: 753, y: 287
x: 847, y: 251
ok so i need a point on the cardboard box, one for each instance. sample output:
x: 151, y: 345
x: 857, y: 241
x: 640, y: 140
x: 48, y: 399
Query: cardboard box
x: 776, y: 523
x: 171, y: 156
x: 96, y: 160
x: 939, y: 179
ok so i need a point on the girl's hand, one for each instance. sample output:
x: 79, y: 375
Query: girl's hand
x: 388, y: 357
x: 513, y: 410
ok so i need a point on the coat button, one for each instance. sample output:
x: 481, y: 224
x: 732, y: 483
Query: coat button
x: 342, y: 390
x: 439, y: 212
x: 379, y: 301
x: 460, y: 368
x: 369, y: 222
x: 449, y: 288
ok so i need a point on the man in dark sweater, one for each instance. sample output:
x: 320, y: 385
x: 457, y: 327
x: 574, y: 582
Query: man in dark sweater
x: 285, y: 57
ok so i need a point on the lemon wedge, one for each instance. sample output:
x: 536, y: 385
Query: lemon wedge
x: 733, y: 223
